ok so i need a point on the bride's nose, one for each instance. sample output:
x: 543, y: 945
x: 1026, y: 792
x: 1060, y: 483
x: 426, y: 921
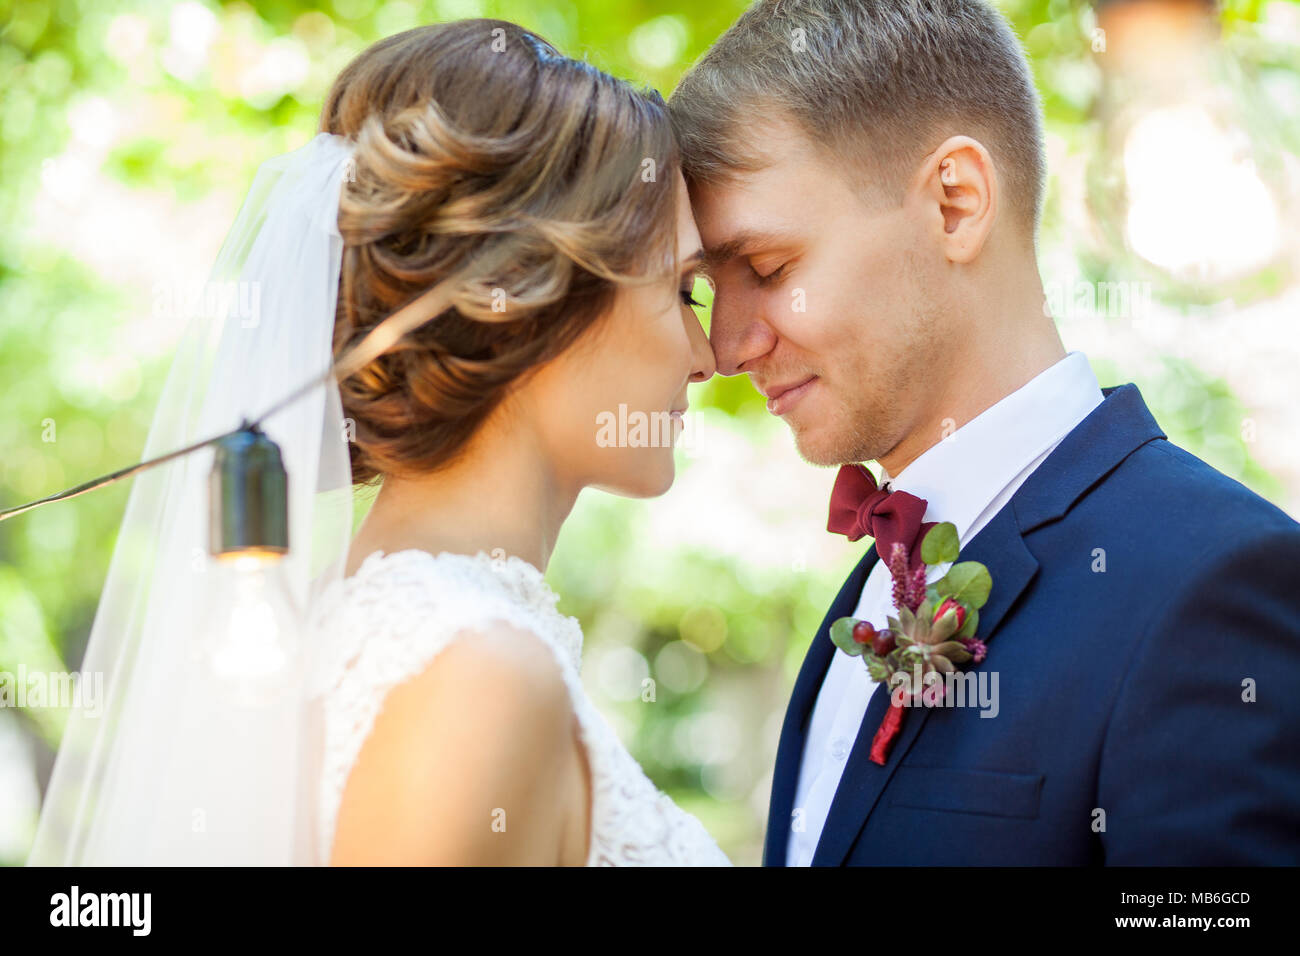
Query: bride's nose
x: 703, y: 363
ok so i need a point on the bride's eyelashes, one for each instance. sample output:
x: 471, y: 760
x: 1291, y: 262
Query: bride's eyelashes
x: 688, y: 298
x: 687, y: 290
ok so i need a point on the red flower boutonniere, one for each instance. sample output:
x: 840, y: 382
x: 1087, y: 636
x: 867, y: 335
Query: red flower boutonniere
x: 934, y: 630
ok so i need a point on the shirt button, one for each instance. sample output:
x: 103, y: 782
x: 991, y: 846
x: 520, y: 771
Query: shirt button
x: 839, y: 748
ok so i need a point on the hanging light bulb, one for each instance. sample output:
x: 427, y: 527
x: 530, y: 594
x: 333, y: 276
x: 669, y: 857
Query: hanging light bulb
x: 252, y: 639
x: 1189, y: 181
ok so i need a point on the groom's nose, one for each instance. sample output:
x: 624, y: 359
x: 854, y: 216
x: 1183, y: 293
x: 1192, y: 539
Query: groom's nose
x: 738, y: 332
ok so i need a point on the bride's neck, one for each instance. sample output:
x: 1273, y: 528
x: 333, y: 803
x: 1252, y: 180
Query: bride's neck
x: 502, y: 493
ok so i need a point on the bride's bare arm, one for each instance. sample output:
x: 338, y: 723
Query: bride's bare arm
x: 475, y: 761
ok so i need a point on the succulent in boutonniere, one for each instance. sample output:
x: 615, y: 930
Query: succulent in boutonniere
x: 932, y: 629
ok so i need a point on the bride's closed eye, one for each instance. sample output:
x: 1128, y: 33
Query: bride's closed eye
x: 687, y: 290
x: 688, y: 297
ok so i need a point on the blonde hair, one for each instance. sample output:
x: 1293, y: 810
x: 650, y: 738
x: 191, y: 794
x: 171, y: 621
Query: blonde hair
x: 875, y: 84
x: 487, y: 161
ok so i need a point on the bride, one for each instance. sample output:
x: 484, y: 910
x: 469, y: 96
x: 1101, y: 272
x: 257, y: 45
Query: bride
x: 437, y: 715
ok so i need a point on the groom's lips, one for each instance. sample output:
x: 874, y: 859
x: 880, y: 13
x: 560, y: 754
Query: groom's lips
x: 782, y: 398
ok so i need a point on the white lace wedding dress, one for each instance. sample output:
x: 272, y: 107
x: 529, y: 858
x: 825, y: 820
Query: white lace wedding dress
x: 382, y: 626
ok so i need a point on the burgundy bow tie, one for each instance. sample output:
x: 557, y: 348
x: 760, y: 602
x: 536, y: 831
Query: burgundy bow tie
x: 860, y: 508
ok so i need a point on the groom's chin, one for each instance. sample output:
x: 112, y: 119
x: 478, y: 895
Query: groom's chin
x: 820, y: 445
x: 821, y: 459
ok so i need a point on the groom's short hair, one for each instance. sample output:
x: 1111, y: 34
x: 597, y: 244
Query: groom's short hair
x: 875, y: 83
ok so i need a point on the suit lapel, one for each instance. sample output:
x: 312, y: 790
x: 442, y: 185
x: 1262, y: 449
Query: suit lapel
x: 1118, y: 427
x: 1000, y: 548
x: 789, y: 750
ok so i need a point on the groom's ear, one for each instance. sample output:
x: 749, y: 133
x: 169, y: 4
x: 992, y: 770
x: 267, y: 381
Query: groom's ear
x: 959, y: 189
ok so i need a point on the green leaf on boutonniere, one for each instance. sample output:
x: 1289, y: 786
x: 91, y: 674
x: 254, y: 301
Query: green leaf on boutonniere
x: 972, y: 622
x: 895, y: 625
x: 907, y: 620
x: 940, y: 544
x: 968, y: 582
x: 877, y: 668
x: 842, y: 637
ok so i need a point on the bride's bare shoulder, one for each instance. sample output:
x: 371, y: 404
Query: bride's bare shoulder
x: 471, y: 761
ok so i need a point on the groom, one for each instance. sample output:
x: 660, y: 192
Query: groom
x: 867, y: 179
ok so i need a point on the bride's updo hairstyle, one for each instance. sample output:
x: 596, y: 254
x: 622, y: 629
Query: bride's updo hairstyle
x: 531, y: 183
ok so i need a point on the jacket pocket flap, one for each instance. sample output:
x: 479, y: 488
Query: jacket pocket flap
x: 990, y: 792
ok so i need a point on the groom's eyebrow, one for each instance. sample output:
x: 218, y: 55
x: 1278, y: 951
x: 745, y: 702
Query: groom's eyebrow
x: 746, y: 242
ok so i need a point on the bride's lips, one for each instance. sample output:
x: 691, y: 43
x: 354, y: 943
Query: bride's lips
x: 782, y: 398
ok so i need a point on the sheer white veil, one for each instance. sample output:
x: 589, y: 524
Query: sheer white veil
x: 165, y: 769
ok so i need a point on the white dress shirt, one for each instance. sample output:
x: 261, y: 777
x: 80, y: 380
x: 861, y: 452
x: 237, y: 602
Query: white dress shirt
x: 966, y: 478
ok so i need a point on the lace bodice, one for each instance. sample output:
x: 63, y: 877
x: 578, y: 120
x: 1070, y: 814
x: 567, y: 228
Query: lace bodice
x: 382, y: 626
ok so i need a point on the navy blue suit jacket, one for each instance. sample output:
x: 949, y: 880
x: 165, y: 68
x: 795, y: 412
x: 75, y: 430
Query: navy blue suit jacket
x: 1122, y: 735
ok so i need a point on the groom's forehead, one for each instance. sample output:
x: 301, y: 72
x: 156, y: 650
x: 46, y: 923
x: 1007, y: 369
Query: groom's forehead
x: 755, y: 212
x: 746, y: 210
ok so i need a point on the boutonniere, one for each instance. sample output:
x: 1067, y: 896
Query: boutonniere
x: 932, y: 630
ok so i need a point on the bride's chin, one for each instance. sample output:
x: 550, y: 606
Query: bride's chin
x: 643, y: 479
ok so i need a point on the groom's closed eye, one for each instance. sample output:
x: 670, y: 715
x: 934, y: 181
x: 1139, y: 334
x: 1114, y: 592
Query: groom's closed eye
x: 746, y: 244
x: 765, y: 256
x: 770, y: 277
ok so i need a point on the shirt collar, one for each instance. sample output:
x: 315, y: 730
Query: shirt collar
x: 961, y: 474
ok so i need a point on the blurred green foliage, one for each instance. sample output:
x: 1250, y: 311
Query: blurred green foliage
x: 721, y: 643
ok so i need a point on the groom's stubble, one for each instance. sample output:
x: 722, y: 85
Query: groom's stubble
x: 885, y: 404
